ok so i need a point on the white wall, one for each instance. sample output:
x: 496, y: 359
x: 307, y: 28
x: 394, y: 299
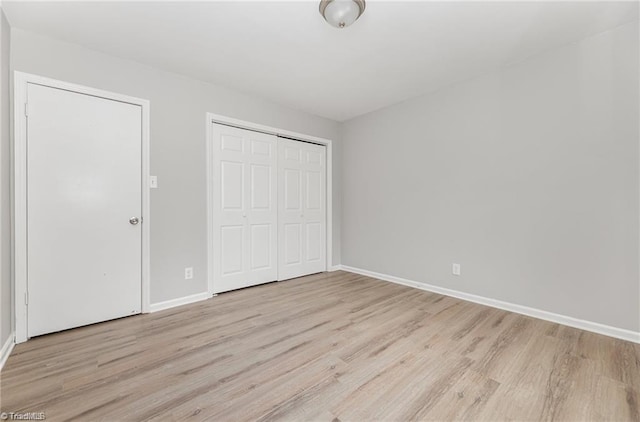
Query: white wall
x: 178, y: 107
x: 528, y: 177
x: 5, y: 187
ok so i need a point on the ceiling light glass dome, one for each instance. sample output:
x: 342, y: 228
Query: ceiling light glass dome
x: 341, y: 13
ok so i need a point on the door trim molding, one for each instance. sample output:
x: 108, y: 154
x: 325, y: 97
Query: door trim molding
x: 20, y: 81
x: 243, y: 124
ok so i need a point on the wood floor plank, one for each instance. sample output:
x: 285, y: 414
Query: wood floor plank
x: 327, y: 347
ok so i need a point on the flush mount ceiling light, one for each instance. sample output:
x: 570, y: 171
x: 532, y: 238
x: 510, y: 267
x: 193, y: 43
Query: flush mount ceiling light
x: 341, y: 13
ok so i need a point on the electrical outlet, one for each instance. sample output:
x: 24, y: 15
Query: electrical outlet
x: 188, y: 273
x: 455, y: 269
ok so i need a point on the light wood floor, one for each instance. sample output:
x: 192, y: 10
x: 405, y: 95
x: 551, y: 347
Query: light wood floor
x: 335, y: 346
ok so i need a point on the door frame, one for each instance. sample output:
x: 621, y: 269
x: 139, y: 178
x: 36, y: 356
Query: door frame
x: 20, y: 111
x: 212, y: 118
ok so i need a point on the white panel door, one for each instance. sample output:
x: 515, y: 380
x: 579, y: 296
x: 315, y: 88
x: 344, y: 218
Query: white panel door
x: 84, y: 184
x: 245, y: 209
x: 301, y: 208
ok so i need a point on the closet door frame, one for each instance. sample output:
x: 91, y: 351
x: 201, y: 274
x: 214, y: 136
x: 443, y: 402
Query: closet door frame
x: 212, y: 118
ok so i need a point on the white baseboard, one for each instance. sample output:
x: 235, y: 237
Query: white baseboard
x: 335, y: 268
x: 155, y: 307
x: 7, y: 347
x: 507, y: 306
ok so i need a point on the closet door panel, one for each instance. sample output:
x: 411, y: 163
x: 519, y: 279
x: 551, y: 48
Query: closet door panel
x: 292, y: 243
x: 232, y: 242
x: 302, y: 208
x: 232, y: 185
x: 314, y: 242
x: 261, y: 237
x: 244, y: 208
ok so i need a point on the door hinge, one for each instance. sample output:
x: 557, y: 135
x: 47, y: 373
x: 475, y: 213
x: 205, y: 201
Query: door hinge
x: 26, y: 109
x: 26, y: 298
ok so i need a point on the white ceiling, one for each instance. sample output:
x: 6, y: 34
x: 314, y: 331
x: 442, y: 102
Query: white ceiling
x: 285, y: 52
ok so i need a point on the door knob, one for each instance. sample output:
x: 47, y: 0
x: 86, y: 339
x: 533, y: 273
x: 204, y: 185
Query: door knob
x: 133, y: 221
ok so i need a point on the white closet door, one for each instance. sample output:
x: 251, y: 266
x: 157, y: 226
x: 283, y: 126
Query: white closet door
x: 301, y: 208
x: 245, y: 210
x: 84, y: 190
